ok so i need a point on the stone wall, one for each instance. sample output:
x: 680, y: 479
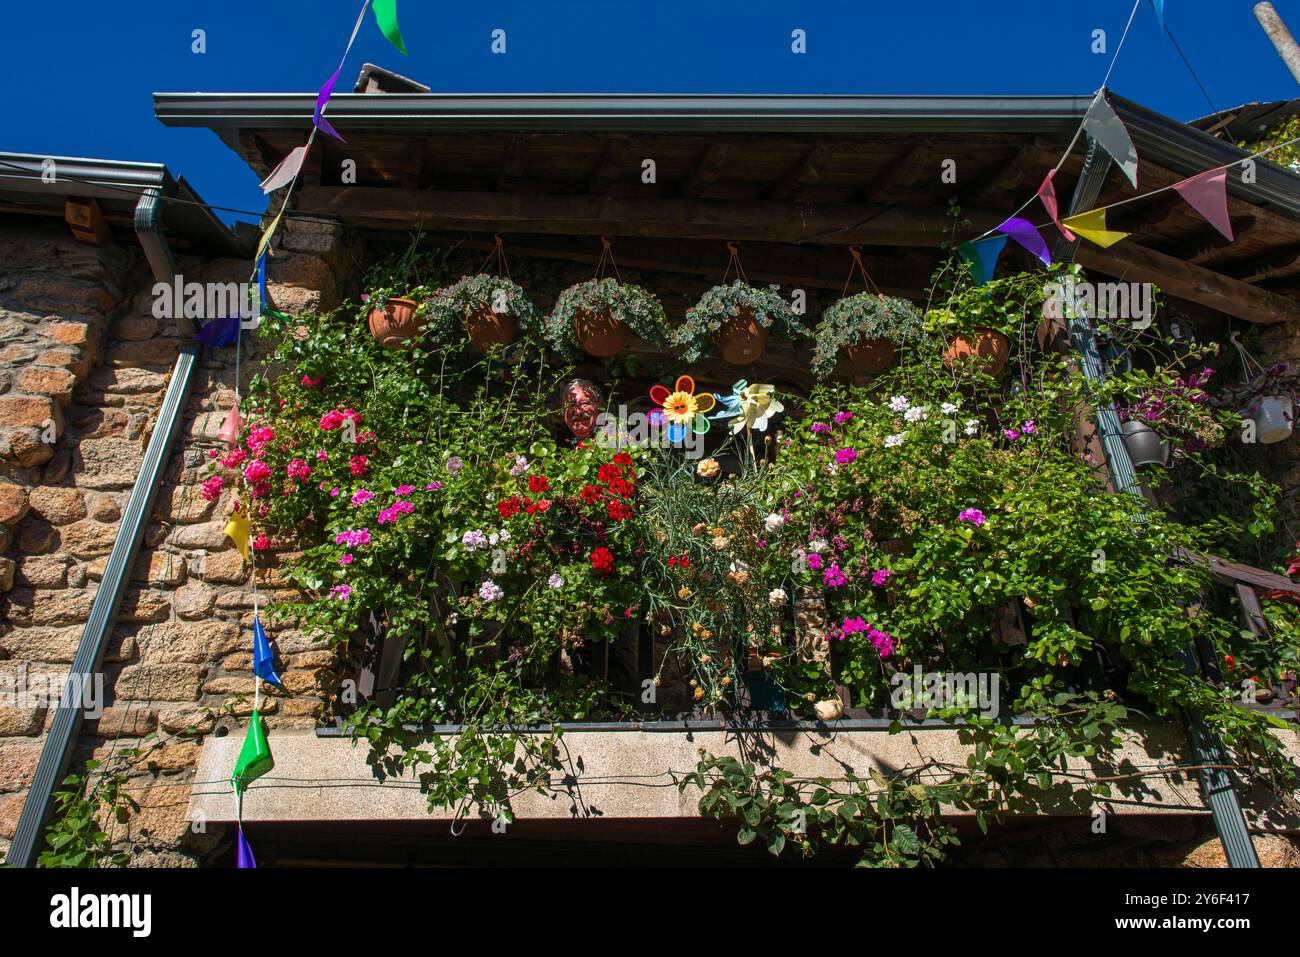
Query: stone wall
x: 84, y: 366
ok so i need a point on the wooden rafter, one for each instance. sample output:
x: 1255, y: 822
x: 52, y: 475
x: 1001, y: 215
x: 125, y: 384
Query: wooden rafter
x: 706, y: 171
x: 1135, y: 263
x: 759, y: 220
x: 901, y: 173
x: 613, y: 164
x: 804, y: 174
x: 1025, y: 170
x: 1270, y: 264
x: 512, y: 170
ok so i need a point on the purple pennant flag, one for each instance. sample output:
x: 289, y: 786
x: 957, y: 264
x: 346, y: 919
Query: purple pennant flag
x: 219, y: 332
x: 1026, y: 234
x: 243, y: 853
x: 322, y: 98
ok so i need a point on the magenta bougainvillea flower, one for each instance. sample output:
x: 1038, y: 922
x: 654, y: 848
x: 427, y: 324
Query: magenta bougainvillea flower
x: 880, y: 576
x: 972, y: 515
x: 833, y: 577
x: 845, y: 456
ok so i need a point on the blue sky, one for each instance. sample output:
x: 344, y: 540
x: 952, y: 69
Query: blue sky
x: 100, y: 62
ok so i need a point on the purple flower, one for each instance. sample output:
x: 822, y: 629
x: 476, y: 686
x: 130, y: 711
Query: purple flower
x: 845, y: 456
x: 815, y: 562
x: 490, y: 591
x: 1029, y: 428
x: 433, y: 486
x: 880, y: 576
x: 454, y: 464
x: 341, y: 592
x: 972, y: 515
x: 820, y: 428
x: 842, y: 417
x: 833, y: 576
x: 1011, y: 434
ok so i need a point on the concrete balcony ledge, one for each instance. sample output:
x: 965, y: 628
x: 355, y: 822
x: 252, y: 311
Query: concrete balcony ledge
x: 633, y: 774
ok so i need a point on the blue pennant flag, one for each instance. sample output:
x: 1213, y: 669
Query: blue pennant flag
x: 263, y: 297
x: 219, y: 332
x: 244, y: 853
x: 982, y: 256
x: 1160, y: 11
x: 263, y: 658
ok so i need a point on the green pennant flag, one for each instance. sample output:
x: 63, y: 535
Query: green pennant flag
x: 386, y: 17
x: 254, y: 757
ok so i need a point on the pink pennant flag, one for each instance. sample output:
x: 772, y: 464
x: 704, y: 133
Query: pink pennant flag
x: 230, y: 428
x: 1207, y: 193
x: 1047, y: 193
x: 285, y: 172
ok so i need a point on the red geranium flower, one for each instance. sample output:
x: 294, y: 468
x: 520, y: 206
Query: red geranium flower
x: 602, y: 560
x: 538, y: 483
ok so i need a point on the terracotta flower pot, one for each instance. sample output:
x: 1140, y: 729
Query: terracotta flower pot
x: 487, y: 328
x: 601, y: 334
x: 989, y: 345
x: 741, y: 340
x: 871, y: 357
x: 395, y: 325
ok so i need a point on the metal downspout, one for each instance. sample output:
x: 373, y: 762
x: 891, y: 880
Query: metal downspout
x: 56, y: 753
x: 1216, y: 786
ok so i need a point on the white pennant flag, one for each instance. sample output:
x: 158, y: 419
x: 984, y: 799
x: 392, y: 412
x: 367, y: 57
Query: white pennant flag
x: 1106, y: 128
x: 284, y: 174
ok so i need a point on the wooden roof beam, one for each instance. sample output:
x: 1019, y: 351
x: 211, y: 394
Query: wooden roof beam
x: 902, y: 173
x: 613, y: 164
x: 706, y: 171
x: 512, y: 170
x: 804, y: 174
x: 760, y: 220
x: 1025, y: 170
x: 1132, y: 262
x: 1270, y: 264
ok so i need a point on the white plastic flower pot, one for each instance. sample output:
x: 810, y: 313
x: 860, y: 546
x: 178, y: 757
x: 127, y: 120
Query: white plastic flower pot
x: 1144, y: 446
x: 1274, y: 418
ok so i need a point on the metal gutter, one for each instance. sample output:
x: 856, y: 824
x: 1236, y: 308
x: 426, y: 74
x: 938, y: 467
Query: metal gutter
x: 148, y: 228
x: 587, y: 111
x: 1216, y: 786
x: 86, y: 665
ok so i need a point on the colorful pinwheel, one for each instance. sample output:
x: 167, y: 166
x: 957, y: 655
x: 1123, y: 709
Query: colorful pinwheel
x: 682, y: 408
x: 749, y: 406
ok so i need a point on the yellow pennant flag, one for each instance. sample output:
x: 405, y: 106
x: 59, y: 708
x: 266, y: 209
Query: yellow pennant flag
x: 266, y: 236
x: 237, y: 530
x: 1092, y: 227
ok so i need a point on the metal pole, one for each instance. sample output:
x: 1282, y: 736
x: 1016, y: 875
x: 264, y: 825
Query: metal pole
x: 1280, y: 36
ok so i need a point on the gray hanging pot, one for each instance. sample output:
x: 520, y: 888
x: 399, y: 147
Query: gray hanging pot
x: 1273, y: 418
x: 1144, y: 446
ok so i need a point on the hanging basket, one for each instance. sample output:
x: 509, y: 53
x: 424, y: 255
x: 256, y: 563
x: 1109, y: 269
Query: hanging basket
x: 395, y: 325
x: 600, y: 332
x: 871, y: 357
x: 487, y: 328
x: 988, y: 345
x: 1274, y: 418
x: 741, y: 340
x: 1145, y: 447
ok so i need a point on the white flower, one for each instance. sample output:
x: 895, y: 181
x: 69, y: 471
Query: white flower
x: 915, y: 414
x: 972, y: 427
x: 777, y: 596
x: 948, y: 408
x: 832, y: 468
x: 895, y: 440
x: 555, y: 581
x: 818, y: 545
x: 774, y: 522
x: 899, y: 403
x: 474, y: 540
x: 505, y: 536
x: 493, y: 538
x: 520, y: 466
x: 490, y: 591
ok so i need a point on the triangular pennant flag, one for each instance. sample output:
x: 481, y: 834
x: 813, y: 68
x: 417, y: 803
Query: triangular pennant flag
x: 386, y: 17
x: 1026, y: 234
x: 219, y: 332
x: 322, y: 98
x: 254, y: 757
x: 265, y: 243
x: 1160, y: 11
x: 1047, y: 193
x: 1092, y: 227
x: 263, y: 658
x: 237, y: 530
x: 1207, y: 193
x: 287, y: 171
x: 231, y: 427
x: 982, y: 257
x: 1107, y: 129
x: 243, y: 853
x: 264, y: 297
